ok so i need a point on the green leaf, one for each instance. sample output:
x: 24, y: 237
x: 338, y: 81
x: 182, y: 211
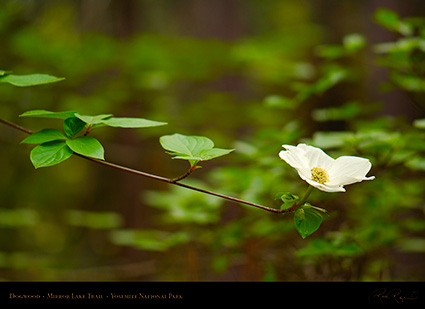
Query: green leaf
x: 28, y: 80
x: 307, y: 221
x: 87, y: 146
x: 73, y: 126
x: 413, y: 245
x: 330, y: 79
x: 50, y: 153
x: 48, y: 114
x: 19, y: 217
x: 277, y: 101
x: 152, y: 240
x: 191, y: 148
x: 209, y: 154
x: 93, y: 120
x: 419, y: 123
x: 353, y: 42
x: 391, y: 20
x: 332, y: 139
x: 330, y: 51
x: 94, y: 219
x: 324, y: 83
x: 44, y: 136
x: 349, y: 110
x: 417, y: 163
x: 121, y: 122
x: 387, y: 18
x: 124, y: 122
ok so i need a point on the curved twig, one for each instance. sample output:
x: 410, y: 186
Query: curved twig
x: 174, y: 181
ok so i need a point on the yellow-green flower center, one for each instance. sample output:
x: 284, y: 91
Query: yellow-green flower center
x: 319, y: 175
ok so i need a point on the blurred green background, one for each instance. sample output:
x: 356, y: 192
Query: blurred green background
x: 344, y: 75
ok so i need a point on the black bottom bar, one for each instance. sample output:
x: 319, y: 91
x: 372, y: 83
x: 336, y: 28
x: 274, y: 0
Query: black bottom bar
x: 212, y: 293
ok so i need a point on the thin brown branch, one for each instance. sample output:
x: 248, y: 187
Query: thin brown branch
x: 14, y: 125
x: 172, y: 181
x: 127, y: 169
x: 163, y: 179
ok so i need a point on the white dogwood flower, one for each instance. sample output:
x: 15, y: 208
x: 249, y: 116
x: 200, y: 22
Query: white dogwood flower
x: 323, y: 172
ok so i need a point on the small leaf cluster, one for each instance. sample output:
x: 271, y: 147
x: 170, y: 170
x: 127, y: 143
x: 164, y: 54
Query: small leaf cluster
x: 56, y: 146
x: 289, y: 200
x: 307, y: 218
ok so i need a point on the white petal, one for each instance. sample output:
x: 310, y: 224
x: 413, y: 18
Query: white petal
x: 304, y: 173
x: 344, y: 180
x: 349, y: 166
x: 294, y: 156
x: 317, y: 157
x: 325, y: 187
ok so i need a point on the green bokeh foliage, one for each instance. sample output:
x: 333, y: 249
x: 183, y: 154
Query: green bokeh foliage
x: 280, y: 84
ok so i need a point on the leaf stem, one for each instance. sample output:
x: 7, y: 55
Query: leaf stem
x: 167, y: 180
x: 88, y: 130
x: 192, y: 168
x: 306, y: 195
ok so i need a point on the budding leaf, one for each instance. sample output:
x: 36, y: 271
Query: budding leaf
x: 50, y: 153
x: 72, y: 126
x: 288, y: 199
x: 307, y: 221
x: 191, y: 148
